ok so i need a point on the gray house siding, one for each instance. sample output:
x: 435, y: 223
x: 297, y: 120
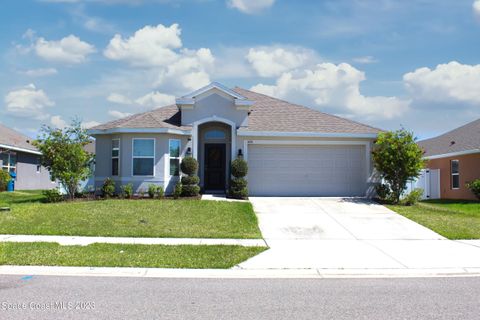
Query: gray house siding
x: 28, y: 178
x: 215, y: 105
x: 103, y: 165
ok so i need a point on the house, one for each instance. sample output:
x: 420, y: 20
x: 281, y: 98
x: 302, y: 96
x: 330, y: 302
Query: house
x: 18, y: 155
x: 456, y: 154
x: 291, y: 150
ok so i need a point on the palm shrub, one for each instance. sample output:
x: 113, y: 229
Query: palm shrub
x: 474, y: 186
x: 155, y: 191
x: 177, y: 191
x: 238, y: 184
x: 190, y: 188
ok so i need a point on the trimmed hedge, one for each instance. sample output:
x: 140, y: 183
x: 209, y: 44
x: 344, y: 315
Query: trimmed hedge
x: 190, y: 180
x: 189, y: 166
x: 239, y: 168
x: 238, y: 184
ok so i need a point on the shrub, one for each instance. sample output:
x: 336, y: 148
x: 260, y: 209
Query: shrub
x: 52, y: 195
x: 190, y: 180
x: 108, y: 188
x: 152, y: 190
x: 4, y: 179
x: 160, y: 192
x: 189, y: 166
x: 190, y: 190
x: 383, y: 192
x: 239, y: 168
x: 398, y: 159
x: 413, y: 197
x: 238, y: 188
x: 177, y: 191
x: 126, y: 191
x: 474, y: 186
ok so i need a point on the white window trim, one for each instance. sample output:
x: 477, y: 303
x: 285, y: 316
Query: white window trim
x: 454, y: 174
x: 117, y: 157
x: 143, y: 157
x: 170, y: 157
x: 8, y: 166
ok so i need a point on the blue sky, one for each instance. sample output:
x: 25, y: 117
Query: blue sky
x: 383, y: 62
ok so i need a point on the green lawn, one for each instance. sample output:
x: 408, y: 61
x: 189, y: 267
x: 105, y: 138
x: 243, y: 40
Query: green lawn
x: 27, y: 196
x: 128, y: 218
x: 452, y: 219
x: 119, y: 255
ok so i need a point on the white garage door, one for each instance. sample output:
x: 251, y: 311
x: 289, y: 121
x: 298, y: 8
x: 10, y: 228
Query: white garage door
x: 309, y: 170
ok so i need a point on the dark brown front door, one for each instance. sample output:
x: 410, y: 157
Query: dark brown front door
x: 215, y: 166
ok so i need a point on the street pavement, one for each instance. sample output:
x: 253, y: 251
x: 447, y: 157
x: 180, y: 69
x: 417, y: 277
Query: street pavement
x: 158, y: 298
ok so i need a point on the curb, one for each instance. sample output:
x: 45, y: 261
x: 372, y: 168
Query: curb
x: 237, y: 273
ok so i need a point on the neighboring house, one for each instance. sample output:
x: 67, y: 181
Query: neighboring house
x: 18, y: 155
x: 457, y: 155
x: 291, y: 150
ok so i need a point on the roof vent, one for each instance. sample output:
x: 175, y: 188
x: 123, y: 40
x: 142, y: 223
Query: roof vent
x: 452, y: 143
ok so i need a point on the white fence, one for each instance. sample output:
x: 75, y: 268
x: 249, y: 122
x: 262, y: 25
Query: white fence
x: 429, y: 182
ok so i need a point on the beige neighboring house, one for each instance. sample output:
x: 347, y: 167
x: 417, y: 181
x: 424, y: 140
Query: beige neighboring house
x: 291, y: 150
x: 457, y: 155
x: 18, y: 155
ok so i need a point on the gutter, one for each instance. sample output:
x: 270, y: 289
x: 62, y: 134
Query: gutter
x: 19, y: 149
x: 452, y: 154
x: 245, y: 133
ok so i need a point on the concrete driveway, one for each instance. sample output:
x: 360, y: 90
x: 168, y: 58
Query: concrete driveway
x: 350, y: 233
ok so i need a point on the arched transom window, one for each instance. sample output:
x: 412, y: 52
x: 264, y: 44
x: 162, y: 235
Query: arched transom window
x: 215, y: 134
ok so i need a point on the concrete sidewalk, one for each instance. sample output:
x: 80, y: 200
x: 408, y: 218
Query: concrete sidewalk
x: 85, y: 241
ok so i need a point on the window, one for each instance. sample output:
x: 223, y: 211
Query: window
x: 39, y: 164
x: 115, y: 156
x: 143, y: 157
x: 9, y: 161
x: 215, y: 134
x: 174, y: 149
x: 455, y: 172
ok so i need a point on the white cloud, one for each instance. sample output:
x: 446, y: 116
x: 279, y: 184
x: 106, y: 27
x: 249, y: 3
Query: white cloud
x: 476, y: 8
x: 451, y: 82
x: 28, y: 102
x: 41, y: 72
x: 336, y: 87
x: 89, y: 124
x: 250, y: 6
x: 365, y: 60
x: 155, y: 99
x: 119, y: 98
x: 149, y: 46
x: 69, y: 50
x: 159, y: 49
x: 150, y: 100
x: 274, y: 60
x: 58, y: 122
x: 118, y: 114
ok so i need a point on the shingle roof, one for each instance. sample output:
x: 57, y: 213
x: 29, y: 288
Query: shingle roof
x: 164, y: 117
x: 267, y: 114
x: 465, y: 138
x: 15, y: 139
x: 272, y: 114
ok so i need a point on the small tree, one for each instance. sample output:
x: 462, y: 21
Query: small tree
x: 398, y: 159
x: 64, y: 156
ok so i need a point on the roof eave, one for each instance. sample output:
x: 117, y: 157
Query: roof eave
x: 246, y: 133
x: 138, y: 130
x: 6, y: 146
x: 452, y: 154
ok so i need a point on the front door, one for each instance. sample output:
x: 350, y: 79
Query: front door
x: 215, y: 166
